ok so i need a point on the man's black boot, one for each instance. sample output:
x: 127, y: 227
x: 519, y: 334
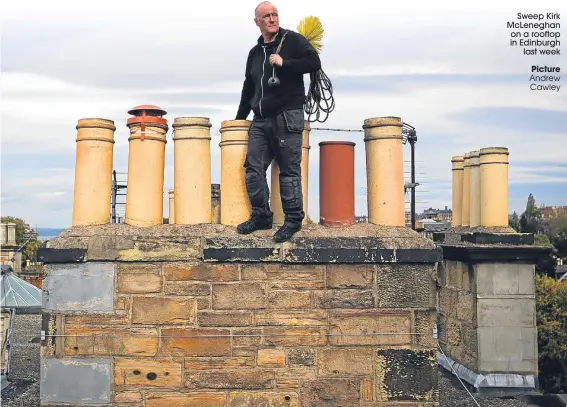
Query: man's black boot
x: 286, y: 232
x: 255, y: 223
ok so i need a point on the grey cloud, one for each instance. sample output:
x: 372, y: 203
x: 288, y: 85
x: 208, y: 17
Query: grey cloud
x: 404, y: 83
x: 514, y: 118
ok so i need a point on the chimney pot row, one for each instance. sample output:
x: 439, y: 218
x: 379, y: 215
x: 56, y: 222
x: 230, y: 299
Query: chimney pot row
x: 480, y: 188
x: 194, y: 200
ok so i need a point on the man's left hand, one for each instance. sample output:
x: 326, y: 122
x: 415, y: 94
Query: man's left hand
x: 275, y: 59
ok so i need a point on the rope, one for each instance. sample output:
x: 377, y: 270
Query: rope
x: 319, y: 97
x: 457, y: 376
x: 346, y: 130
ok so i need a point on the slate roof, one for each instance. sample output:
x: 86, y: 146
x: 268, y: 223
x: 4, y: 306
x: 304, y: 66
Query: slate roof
x: 17, y: 293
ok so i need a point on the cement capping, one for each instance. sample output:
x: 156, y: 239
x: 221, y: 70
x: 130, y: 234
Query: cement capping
x: 504, y: 383
x: 359, y: 243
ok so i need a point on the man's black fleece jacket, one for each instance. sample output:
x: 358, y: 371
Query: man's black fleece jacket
x: 299, y: 58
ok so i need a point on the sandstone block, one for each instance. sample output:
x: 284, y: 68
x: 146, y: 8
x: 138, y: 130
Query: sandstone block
x: 271, y: 358
x: 149, y: 248
x: 405, y: 286
x: 203, y: 303
x: 296, y: 372
x: 424, y: 322
x: 350, y: 276
x: 453, y: 332
x: 246, y: 337
x: 244, y: 353
x: 330, y: 393
x: 139, y: 283
x: 367, y: 390
x: 370, y: 328
x: 289, y: 299
x: 239, y: 296
x: 287, y: 384
x: 127, y: 397
x: 448, y: 300
x: 295, y: 336
x: 296, y: 285
x: 139, y: 268
x: 147, y: 372
x: 185, y: 400
x: 163, y: 310
x: 406, y: 375
x: 342, y: 362
x: 187, y: 288
x: 111, y: 341
x: 291, y: 318
x: 453, y: 273
x: 263, y: 399
x: 301, y: 357
x: 97, y: 319
x: 466, y: 309
x: 344, y: 298
x: 252, y: 379
x: 195, y: 342
x: 201, y: 272
x: 224, y: 318
x: 219, y: 363
x: 122, y: 303
x: 283, y: 272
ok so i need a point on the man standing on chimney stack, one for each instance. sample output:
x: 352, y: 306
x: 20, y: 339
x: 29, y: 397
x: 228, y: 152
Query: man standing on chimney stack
x: 274, y: 91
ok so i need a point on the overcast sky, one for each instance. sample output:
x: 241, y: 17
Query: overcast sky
x: 444, y: 67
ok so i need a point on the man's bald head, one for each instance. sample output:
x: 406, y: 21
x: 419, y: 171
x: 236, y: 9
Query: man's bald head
x: 262, y: 5
x: 267, y: 19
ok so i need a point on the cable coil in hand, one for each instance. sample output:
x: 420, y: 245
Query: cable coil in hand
x: 319, y: 97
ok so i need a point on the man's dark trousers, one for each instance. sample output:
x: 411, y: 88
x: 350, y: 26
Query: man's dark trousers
x: 280, y: 137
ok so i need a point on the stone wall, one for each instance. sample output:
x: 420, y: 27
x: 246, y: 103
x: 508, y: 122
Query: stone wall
x: 487, y: 309
x: 458, y: 312
x: 189, y: 316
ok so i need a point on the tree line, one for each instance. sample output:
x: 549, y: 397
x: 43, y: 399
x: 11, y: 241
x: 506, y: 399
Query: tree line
x: 551, y: 295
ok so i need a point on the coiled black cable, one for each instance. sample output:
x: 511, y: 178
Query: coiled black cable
x: 319, y: 97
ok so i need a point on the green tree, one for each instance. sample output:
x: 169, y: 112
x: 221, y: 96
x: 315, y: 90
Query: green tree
x: 514, y: 222
x: 30, y: 246
x: 551, y: 314
x: 541, y: 240
x: 556, y: 225
x: 560, y: 243
x: 531, y: 218
x: 547, y: 265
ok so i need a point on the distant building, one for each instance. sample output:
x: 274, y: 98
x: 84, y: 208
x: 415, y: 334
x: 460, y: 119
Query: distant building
x: 549, y: 212
x: 438, y: 215
x: 9, y: 250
